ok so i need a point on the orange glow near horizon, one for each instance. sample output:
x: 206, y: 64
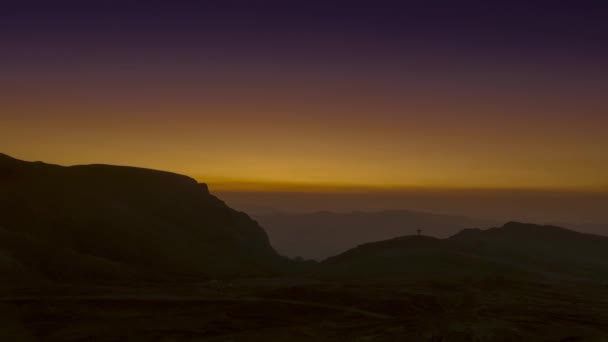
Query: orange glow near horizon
x: 260, y: 148
x: 259, y: 128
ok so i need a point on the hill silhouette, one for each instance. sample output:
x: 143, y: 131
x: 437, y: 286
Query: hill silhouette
x: 322, y: 234
x: 106, y: 222
x: 515, y: 249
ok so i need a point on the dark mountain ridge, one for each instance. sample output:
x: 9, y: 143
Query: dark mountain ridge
x: 113, y: 221
x: 514, y: 249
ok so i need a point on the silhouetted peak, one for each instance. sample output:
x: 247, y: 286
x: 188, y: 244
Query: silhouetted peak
x: 204, y: 187
x: 5, y: 158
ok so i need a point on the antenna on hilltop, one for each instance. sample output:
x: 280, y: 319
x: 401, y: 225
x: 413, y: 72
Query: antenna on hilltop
x: 419, y: 231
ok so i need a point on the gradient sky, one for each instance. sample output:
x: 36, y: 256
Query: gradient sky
x: 313, y: 94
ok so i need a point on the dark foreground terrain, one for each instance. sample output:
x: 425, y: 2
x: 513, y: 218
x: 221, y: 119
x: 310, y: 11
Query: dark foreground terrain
x: 281, y: 309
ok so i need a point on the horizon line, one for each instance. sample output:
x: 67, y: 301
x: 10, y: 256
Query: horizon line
x: 319, y: 187
x: 260, y: 186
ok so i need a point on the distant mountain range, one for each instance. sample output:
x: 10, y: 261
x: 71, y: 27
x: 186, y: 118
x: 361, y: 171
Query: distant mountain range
x: 513, y: 250
x: 110, y: 222
x: 323, y: 234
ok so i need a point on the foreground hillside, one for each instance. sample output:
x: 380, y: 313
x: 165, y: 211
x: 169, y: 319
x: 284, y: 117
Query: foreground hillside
x: 109, y: 222
x: 491, y: 309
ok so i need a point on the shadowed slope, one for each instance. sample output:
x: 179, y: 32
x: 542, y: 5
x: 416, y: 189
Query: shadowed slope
x: 71, y: 222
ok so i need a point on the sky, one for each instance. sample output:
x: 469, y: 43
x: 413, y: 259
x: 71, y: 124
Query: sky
x: 314, y: 95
